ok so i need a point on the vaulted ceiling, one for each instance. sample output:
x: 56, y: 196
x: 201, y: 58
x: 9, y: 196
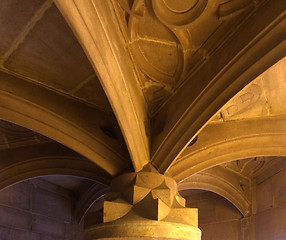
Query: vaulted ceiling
x: 109, y: 86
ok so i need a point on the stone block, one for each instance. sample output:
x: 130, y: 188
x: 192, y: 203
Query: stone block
x: 17, y: 196
x: 208, y: 195
x: 12, y: 217
x: 264, y: 195
x: 270, y: 224
x: 280, y: 222
x: 220, y: 231
x: 264, y: 229
x: 73, y: 230
x: 48, y: 226
x: 51, y: 204
x: 187, y: 215
x: 206, y: 211
x: 4, y: 233
x: 279, y: 182
x: 47, y: 237
x: 150, y: 209
x: 156, y: 208
x: 224, y: 210
x: 11, y: 29
x: 51, y: 187
x: 93, y: 218
x: 23, y: 235
x: 135, y: 194
x: 79, y: 236
x: 115, y: 209
x: 191, y: 199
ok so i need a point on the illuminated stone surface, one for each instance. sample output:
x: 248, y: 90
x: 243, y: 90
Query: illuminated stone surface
x: 189, y: 87
x: 145, y: 205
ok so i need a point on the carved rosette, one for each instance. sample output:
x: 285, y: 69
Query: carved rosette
x: 179, y: 13
x: 145, y: 205
x: 168, y: 40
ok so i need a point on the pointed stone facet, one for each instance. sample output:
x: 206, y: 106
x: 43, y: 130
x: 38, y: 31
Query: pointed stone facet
x: 149, y: 168
x: 135, y: 194
x: 164, y: 195
x: 113, y: 210
x: 146, y: 206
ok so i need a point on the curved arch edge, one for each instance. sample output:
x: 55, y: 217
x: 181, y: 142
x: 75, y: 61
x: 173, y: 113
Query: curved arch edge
x: 61, y: 119
x: 255, y: 52
x: 220, y: 143
x: 229, y: 189
x: 53, y: 165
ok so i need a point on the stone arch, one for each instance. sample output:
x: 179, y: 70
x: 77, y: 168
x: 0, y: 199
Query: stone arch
x: 221, y: 143
x: 227, y: 187
x: 226, y: 73
x: 88, y: 198
x: 19, y: 164
x: 71, y: 123
x: 54, y: 165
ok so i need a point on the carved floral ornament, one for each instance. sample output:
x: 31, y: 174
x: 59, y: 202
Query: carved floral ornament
x: 168, y: 39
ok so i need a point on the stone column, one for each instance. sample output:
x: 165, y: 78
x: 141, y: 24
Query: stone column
x: 145, y: 205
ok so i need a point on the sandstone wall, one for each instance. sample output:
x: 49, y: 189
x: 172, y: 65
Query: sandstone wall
x: 37, y: 210
x: 218, y: 218
x: 270, y: 209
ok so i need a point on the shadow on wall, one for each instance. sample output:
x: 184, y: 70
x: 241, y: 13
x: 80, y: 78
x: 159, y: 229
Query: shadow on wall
x: 220, y: 220
x: 38, y: 209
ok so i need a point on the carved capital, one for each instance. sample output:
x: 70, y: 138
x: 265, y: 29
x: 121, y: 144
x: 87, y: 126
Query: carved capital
x: 145, y: 204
